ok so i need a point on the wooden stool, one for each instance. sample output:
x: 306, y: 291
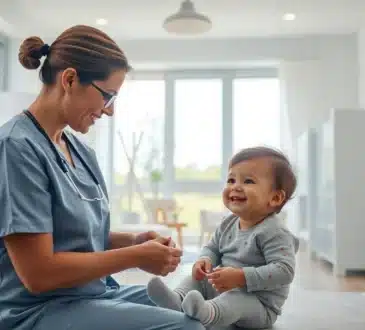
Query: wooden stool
x: 178, y: 226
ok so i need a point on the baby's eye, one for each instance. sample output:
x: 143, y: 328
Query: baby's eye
x: 230, y: 180
x: 249, y: 181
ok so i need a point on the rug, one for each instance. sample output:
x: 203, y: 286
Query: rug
x: 320, y: 310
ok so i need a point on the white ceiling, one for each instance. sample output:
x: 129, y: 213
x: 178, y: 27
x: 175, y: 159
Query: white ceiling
x: 142, y: 19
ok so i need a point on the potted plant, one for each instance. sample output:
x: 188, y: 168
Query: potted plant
x: 155, y: 178
x: 176, y: 214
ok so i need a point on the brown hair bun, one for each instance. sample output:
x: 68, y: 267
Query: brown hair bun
x: 30, y: 53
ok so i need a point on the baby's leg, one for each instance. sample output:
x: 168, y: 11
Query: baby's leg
x: 231, y: 307
x: 164, y: 297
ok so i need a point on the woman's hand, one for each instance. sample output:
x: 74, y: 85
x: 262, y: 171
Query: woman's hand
x: 151, y: 235
x: 158, y: 258
x: 144, y: 237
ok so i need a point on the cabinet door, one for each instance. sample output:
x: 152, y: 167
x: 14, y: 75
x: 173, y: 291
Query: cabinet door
x: 325, y: 216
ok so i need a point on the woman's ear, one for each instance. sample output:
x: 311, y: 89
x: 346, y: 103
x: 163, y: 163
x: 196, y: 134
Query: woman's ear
x: 68, y: 79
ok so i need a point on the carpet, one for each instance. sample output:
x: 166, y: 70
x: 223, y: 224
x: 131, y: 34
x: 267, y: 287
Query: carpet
x: 314, y: 310
x: 320, y: 310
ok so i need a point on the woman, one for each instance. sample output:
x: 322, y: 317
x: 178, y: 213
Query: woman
x: 56, y: 250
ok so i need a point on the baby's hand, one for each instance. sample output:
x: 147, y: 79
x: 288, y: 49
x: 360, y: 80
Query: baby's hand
x: 227, y: 278
x: 201, y: 268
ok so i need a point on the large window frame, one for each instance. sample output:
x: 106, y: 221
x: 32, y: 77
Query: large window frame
x: 170, y: 184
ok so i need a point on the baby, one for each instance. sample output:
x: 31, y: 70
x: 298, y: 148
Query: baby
x: 243, y: 275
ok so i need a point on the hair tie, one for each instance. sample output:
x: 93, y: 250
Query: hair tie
x: 44, y: 50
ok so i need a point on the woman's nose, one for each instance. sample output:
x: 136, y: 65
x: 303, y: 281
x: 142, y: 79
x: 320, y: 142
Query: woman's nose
x: 109, y: 111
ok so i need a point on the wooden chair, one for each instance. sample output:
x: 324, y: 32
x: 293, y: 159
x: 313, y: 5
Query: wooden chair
x: 209, y: 221
x: 161, y: 212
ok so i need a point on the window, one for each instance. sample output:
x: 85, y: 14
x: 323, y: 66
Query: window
x: 256, y: 112
x: 138, y: 138
x: 198, y: 147
x: 198, y: 133
x: 197, y: 113
x: 191, y: 203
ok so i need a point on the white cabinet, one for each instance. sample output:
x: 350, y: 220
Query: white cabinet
x: 307, y: 180
x: 337, y: 225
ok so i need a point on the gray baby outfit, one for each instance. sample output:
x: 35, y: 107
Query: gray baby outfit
x: 266, y: 253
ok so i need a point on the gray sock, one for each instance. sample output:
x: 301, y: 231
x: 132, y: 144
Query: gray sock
x: 162, y: 295
x: 197, y: 308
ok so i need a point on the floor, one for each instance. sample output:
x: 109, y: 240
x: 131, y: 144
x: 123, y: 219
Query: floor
x: 318, y: 299
x: 317, y: 275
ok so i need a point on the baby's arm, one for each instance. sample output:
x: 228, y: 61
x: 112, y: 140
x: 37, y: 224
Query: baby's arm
x: 211, y: 250
x: 279, y: 249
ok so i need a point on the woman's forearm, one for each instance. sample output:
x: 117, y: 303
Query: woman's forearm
x: 42, y: 269
x: 70, y: 269
x: 119, y: 240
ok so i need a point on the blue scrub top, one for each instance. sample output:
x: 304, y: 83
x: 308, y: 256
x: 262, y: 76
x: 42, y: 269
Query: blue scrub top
x: 37, y: 197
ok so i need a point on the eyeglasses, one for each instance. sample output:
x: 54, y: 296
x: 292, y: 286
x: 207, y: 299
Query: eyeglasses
x: 109, y: 98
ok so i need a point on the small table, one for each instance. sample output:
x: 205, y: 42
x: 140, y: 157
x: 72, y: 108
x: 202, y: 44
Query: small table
x: 178, y: 226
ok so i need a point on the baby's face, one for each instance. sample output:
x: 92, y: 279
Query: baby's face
x: 249, y: 189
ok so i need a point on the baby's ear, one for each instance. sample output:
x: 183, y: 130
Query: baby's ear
x: 278, y: 198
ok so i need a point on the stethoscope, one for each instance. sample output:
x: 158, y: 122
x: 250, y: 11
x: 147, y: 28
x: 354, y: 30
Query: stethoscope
x: 62, y: 163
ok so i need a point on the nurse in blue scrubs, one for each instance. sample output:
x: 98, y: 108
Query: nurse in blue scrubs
x: 56, y: 248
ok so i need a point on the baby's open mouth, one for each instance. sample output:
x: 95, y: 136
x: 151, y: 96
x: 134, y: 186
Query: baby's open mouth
x: 237, y: 199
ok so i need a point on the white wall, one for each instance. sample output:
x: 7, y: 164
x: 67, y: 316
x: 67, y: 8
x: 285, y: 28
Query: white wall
x: 234, y: 50
x: 361, y: 63
x: 13, y: 103
x: 302, y: 85
x: 20, y: 79
x: 339, y: 51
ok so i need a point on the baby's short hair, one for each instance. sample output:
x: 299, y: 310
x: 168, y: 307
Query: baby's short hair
x: 283, y: 174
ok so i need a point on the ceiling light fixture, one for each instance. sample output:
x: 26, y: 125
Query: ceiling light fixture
x: 187, y: 21
x: 101, y: 21
x: 289, y: 17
